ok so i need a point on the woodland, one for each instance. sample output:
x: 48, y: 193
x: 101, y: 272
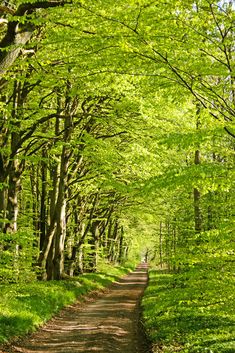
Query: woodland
x: 117, y: 140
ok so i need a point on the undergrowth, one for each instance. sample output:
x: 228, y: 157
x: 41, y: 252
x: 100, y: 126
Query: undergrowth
x: 26, y: 306
x: 191, y: 312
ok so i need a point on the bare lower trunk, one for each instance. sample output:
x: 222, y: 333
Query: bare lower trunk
x: 44, y: 254
x: 43, y: 208
x: 121, y: 252
x: 94, y: 246
x: 60, y: 235
x: 112, y: 257
x: 12, y: 208
x: 2, y: 207
x: 35, y: 198
x: 76, y: 260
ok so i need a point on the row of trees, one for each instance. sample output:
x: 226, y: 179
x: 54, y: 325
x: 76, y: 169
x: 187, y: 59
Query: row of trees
x: 117, y: 133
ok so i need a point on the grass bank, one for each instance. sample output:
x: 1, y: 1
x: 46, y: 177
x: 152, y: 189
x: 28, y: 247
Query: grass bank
x: 191, y: 312
x: 26, y: 306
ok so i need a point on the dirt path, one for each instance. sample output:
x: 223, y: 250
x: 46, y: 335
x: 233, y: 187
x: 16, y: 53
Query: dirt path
x: 109, y: 324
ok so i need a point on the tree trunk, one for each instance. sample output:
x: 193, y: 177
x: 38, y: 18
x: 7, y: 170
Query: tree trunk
x: 60, y: 212
x: 3, y: 197
x: 76, y: 259
x: 20, y: 32
x: 60, y: 235
x: 94, y: 247
x: 196, y: 192
x: 197, y: 201
x: 160, y: 245
x: 43, y: 204
x: 15, y: 168
x: 113, y: 254
x: 121, y: 249
x: 57, y: 228
x: 35, y: 198
x: 167, y: 244
x: 12, y: 208
x: 45, y: 260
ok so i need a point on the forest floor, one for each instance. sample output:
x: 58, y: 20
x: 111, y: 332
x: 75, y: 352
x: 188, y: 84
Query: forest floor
x: 108, y: 322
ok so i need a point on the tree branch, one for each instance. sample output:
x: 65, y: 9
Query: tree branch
x: 110, y: 136
x: 30, y: 7
x: 18, y: 35
x: 229, y: 132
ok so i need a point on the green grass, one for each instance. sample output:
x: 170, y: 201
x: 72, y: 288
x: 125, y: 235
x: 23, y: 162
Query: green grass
x: 25, y: 306
x: 191, y: 312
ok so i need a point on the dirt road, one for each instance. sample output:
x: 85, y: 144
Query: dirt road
x: 108, y: 324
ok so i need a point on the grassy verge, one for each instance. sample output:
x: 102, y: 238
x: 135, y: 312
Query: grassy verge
x: 25, y: 306
x: 191, y: 312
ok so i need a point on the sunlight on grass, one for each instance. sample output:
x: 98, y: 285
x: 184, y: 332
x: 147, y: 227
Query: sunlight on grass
x: 191, y: 312
x: 25, y: 306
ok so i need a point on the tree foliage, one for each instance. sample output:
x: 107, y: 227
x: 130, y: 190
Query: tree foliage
x: 117, y: 135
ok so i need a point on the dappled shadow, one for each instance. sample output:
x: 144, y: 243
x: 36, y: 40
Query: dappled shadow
x: 9, y: 322
x: 109, y: 324
x: 181, y: 311
x: 188, y: 324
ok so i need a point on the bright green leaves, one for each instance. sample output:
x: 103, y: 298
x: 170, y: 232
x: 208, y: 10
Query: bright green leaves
x: 190, y: 312
x: 133, y: 79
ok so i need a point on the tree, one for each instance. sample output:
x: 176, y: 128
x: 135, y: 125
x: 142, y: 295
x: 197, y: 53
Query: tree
x: 191, y: 46
x: 115, y: 116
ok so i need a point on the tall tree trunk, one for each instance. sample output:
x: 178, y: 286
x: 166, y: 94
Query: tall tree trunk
x: 12, y: 208
x: 43, y: 203
x: 196, y: 192
x: 15, y: 168
x: 168, y: 244
x: 60, y: 234
x: 94, y: 247
x: 57, y: 230
x: 197, y: 201
x: 47, y: 240
x: 112, y: 257
x: 60, y: 212
x: 51, y: 255
x: 121, y: 249
x: 74, y: 260
x: 174, y: 246
x: 160, y: 245
x: 3, y: 197
x: 35, y: 199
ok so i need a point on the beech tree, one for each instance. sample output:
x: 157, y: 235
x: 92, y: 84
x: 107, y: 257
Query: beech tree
x: 112, y: 133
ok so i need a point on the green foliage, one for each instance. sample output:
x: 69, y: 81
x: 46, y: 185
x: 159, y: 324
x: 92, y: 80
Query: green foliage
x: 17, y: 254
x: 191, y: 311
x: 120, y: 119
x: 25, y: 306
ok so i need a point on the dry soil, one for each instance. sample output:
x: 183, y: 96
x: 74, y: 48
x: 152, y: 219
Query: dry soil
x: 109, y: 323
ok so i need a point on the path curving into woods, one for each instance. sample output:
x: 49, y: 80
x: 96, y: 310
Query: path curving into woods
x: 108, y: 324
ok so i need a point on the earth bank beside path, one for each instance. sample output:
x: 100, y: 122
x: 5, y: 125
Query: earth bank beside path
x: 108, y: 324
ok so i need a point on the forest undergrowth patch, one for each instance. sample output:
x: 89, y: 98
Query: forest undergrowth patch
x: 192, y: 311
x: 26, y: 306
